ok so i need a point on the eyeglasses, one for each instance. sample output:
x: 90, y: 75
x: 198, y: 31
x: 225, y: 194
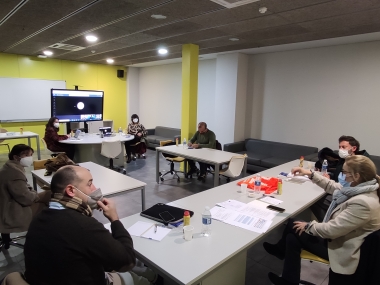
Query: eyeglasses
x: 345, y: 172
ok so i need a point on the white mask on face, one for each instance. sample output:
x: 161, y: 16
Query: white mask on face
x: 343, y: 153
x: 135, y: 120
x: 26, y: 161
x: 93, y: 198
x: 56, y: 125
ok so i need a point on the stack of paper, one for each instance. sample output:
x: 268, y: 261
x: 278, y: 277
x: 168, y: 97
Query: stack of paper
x: 148, y: 230
x: 252, y: 216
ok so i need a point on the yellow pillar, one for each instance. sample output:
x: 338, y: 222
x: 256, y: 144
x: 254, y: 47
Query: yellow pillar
x: 190, y: 54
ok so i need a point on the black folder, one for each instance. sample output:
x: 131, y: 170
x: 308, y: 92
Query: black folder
x: 154, y: 212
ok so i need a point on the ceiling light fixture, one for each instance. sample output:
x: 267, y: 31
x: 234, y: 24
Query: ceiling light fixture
x: 158, y: 17
x: 42, y: 56
x: 233, y: 39
x: 162, y: 51
x: 263, y: 10
x: 110, y: 60
x: 47, y: 52
x: 91, y: 38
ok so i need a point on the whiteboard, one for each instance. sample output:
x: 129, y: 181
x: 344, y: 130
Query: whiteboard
x: 25, y: 99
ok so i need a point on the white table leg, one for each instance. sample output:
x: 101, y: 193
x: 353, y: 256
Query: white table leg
x: 157, y: 165
x: 38, y: 147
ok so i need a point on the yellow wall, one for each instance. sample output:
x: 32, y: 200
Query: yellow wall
x: 87, y: 76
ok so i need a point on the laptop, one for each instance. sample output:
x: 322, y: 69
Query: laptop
x: 107, y: 131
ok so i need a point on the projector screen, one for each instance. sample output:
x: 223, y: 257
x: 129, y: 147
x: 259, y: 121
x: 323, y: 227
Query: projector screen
x: 77, y: 105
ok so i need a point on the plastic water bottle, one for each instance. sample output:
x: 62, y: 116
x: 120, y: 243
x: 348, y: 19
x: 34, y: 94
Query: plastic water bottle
x: 120, y: 131
x: 184, y: 143
x: 206, y: 222
x: 257, y: 187
x: 324, y: 167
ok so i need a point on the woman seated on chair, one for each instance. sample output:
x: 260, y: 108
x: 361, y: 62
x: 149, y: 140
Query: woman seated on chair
x: 52, y: 138
x: 138, y: 130
x: 18, y: 201
x: 352, y: 215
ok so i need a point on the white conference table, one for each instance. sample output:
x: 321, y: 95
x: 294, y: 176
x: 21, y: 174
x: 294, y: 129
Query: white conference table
x: 207, y: 155
x: 221, y: 258
x: 88, y: 148
x: 28, y: 135
x: 109, y: 181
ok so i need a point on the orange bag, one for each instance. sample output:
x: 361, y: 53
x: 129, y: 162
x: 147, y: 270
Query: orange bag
x: 268, y: 184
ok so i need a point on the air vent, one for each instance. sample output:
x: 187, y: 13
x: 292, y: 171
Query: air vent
x: 233, y: 3
x: 66, y: 47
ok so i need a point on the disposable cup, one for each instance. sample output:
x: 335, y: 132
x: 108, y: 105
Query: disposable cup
x: 188, y: 232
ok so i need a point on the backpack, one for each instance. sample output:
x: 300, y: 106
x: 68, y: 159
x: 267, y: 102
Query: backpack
x: 331, y: 157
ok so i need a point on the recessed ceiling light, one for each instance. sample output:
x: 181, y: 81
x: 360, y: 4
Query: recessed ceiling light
x: 110, y: 60
x: 47, y: 52
x: 42, y: 56
x: 263, y: 10
x: 91, y: 38
x: 162, y: 51
x: 233, y: 39
x: 158, y: 17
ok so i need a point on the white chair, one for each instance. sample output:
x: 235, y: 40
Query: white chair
x: 234, y: 168
x: 4, y: 144
x: 48, y: 151
x: 111, y: 148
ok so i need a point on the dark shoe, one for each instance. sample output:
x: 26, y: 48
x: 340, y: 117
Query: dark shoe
x: 202, y: 177
x: 274, y: 250
x: 134, y: 158
x: 277, y: 280
x: 192, y: 171
x: 6, y: 245
x: 129, y: 159
x: 143, y: 156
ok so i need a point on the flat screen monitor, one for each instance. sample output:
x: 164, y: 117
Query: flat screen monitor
x: 77, y: 105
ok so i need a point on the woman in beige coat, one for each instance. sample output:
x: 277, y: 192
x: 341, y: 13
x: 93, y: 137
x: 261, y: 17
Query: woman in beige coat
x: 17, y: 198
x: 352, y: 215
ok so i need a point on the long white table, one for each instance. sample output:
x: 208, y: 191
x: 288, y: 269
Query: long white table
x: 221, y: 258
x: 88, y: 148
x: 111, y: 182
x: 207, y: 155
x: 28, y: 135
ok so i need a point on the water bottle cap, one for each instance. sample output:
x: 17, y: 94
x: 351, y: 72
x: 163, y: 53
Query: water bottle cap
x: 207, y: 208
x: 186, y: 213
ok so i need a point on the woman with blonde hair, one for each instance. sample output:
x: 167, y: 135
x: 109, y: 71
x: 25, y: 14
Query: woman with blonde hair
x: 352, y: 216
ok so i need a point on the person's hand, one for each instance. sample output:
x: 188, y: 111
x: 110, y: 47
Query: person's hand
x: 109, y: 209
x: 189, y: 144
x: 299, y: 227
x: 326, y: 175
x: 139, y: 134
x: 195, y: 145
x: 68, y: 135
x: 299, y: 171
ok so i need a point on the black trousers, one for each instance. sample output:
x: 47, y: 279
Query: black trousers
x: 127, y: 144
x: 292, y: 243
x: 202, y: 166
x: 6, y: 238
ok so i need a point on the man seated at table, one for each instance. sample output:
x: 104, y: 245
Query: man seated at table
x: 348, y: 146
x: 203, y: 138
x: 65, y: 245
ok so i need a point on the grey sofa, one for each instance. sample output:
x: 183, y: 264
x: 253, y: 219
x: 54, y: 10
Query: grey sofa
x: 162, y: 134
x: 267, y: 154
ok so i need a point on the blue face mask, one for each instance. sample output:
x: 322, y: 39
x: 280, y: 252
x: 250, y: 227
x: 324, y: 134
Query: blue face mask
x: 342, y: 180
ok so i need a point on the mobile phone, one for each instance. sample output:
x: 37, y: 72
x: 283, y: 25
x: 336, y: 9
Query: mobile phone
x: 274, y: 208
x: 166, y: 217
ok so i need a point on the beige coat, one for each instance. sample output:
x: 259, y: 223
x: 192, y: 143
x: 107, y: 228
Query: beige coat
x: 349, y: 224
x: 16, y: 197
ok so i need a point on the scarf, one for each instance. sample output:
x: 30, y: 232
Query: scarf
x: 73, y: 203
x: 346, y: 193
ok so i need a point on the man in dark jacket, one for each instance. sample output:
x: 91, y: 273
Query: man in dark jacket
x: 347, y: 146
x: 65, y: 245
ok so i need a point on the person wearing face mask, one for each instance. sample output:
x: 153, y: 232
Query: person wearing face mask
x: 18, y: 201
x: 350, y: 218
x: 348, y: 146
x: 52, y: 138
x: 66, y: 245
x: 203, y: 138
x: 138, y: 130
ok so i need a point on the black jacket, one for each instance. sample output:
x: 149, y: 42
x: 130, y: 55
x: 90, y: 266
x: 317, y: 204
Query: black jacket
x: 64, y: 247
x: 339, y: 166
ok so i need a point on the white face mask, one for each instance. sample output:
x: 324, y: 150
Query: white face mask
x: 343, y: 153
x: 93, y: 198
x: 56, y: 125
x: 26, y: 161
x: 135, y: 120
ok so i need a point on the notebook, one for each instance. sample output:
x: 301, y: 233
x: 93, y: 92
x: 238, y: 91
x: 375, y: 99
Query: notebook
x: 154, y: 212
x: 148, y: 230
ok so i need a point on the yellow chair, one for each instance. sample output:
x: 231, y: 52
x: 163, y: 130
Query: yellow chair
x: 4, y: 144
x: 311, y: 257
x: 14, y: 278
x: 171, y: 159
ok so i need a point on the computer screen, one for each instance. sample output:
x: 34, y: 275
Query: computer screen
x: 77, y: 105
